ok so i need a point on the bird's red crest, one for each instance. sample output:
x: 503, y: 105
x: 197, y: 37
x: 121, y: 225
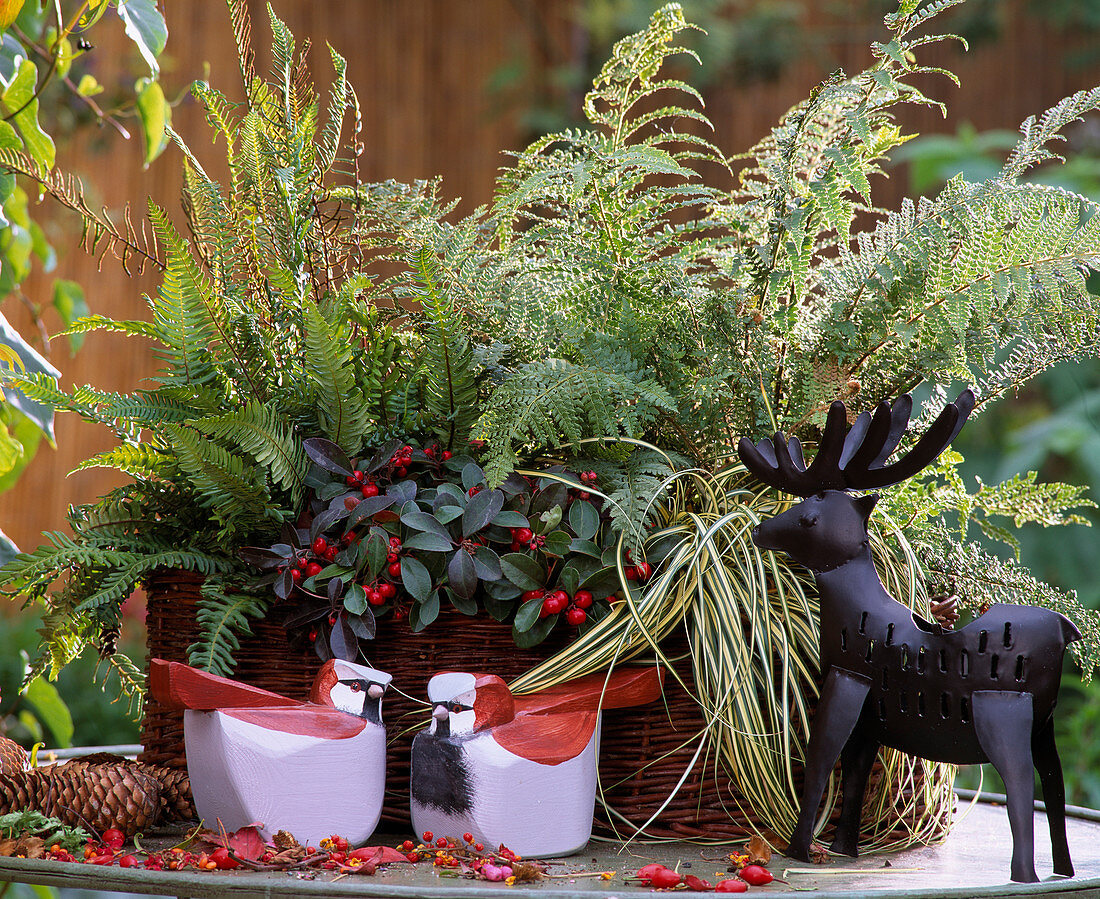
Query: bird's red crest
x: 326, y: 679
x: 493, y: 704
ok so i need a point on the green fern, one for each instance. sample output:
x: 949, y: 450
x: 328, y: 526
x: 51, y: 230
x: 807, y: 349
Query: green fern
x: 223, y: 618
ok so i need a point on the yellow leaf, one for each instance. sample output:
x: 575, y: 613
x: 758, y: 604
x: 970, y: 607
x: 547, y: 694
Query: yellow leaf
x: 9, y: 9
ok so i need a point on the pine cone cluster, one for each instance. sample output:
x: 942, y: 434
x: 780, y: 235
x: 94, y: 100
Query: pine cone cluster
x: 98, y: 791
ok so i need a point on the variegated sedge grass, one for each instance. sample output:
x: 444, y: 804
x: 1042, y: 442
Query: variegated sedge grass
x: 751, y: 621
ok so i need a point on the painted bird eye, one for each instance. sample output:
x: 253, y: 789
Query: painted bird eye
x: 456, y: 707
x: 356, y: 687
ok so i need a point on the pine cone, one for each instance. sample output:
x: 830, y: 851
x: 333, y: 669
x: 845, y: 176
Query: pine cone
x: 13, y: 757
x: 95, y: 796
x: 176, y: 802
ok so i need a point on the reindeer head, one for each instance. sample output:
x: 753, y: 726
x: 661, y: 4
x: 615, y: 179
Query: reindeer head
x: 829, y: 527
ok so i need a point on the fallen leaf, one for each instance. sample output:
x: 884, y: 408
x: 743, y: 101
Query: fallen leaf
x: 758, y: 851
x: 525, y: 872
x: 7, y: 848
x: 819, y: 855
x: 32, y: 847
x: 284, y: 840
x: 697, y: 883
x: 378, y: 855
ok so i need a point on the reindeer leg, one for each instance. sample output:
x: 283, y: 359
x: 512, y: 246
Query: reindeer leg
x: 1054, y: 794
x: 1003, y: 723
x: 838, y: 710
x: 855, y: 765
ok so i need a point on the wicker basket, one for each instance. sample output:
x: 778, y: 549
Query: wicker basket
x: 643, y: 751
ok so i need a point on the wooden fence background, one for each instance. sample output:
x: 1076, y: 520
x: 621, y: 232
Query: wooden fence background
x: 420, y: 68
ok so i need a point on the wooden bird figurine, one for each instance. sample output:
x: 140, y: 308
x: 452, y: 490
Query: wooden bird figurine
x: 254, y: 757
x: 517, y: 770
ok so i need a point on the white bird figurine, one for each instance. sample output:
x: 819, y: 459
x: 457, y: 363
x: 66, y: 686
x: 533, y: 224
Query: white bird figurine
x: 516, y: 770
x: 253, y: 757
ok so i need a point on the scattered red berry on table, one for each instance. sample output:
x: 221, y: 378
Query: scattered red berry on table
x: 756, y: 875
x: 733, y: 885
x: 468, y: 837
x: 127, y: 861
x: 114, y: 838
x: 441, y: 843
x: 427, y: 836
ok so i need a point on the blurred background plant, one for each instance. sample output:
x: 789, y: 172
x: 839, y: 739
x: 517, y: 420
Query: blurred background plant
x: 46, y: 93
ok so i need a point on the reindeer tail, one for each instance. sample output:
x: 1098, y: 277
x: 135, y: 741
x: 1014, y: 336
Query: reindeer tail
x: 180, y: 686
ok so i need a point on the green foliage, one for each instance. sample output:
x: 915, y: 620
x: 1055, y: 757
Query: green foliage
x: 263, y: 339
x: 40, y: 59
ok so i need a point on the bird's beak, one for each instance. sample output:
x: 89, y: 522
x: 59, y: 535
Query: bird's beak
x: 375, y: 691
x: 439, y: 713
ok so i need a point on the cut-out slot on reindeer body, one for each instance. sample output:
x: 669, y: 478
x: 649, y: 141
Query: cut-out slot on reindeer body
x: 984, y: 693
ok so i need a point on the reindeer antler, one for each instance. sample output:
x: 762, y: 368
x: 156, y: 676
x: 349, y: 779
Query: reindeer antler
x: 856, y: 460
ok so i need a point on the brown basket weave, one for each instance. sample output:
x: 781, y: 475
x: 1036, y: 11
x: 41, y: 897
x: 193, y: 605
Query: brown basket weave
x: 643, y: 751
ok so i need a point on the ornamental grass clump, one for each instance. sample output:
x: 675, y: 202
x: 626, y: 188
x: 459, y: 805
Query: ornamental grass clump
x: 588, y: 349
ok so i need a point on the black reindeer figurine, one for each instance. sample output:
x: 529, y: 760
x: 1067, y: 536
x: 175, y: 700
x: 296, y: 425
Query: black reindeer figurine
x: 983, y: 693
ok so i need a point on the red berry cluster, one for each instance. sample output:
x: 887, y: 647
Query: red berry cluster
x: 664, y: 878
x: 468, y: 856
x: 554, y: 602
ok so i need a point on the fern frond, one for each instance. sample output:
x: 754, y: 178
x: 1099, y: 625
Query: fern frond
x: 223, y: 618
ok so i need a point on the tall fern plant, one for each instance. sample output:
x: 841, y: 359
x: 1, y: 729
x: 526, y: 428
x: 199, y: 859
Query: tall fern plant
x: 263, y: 338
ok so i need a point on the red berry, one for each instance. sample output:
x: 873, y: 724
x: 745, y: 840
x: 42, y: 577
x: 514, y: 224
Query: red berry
x: 223, y: 860
x: 523, y: 535
x: 395, y: 543
x: 319, y: 546
x: 413, y: 856
x: 127, y: 861
x: 429, y: 451
x: 473, y: 491
x: 756, y: 875
x: 407, y: 845
x: 369, y: 490
x: 553, y: 605
x: 329, y: 554
x: 391, y: 557
x: 401, y: 471
x: 351, y: 481
x: 360, y: 476
x: 561, y: 596
x: 468, y: 837
x: 479, y: 847
x: 630, y: 573
x: 313, y: 634
x: 644, y: 570
x: 532, y: 594
x: 732, y: 885
x: 406, y: 450
x: 576, y: 616
x: 583, y: 494
x: 375, y: 597
x: 331, y: 620
x: 658, y: 876
x: 441, y: 843
x: 296, y: 574
x: 394, y: 569
x: 387, y: 590
x: 582, y: 599
x: 445, y: 455
x: 427, y: 836
x: 398, y: 614
x: 313, y: 569
x: 697, y: 884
